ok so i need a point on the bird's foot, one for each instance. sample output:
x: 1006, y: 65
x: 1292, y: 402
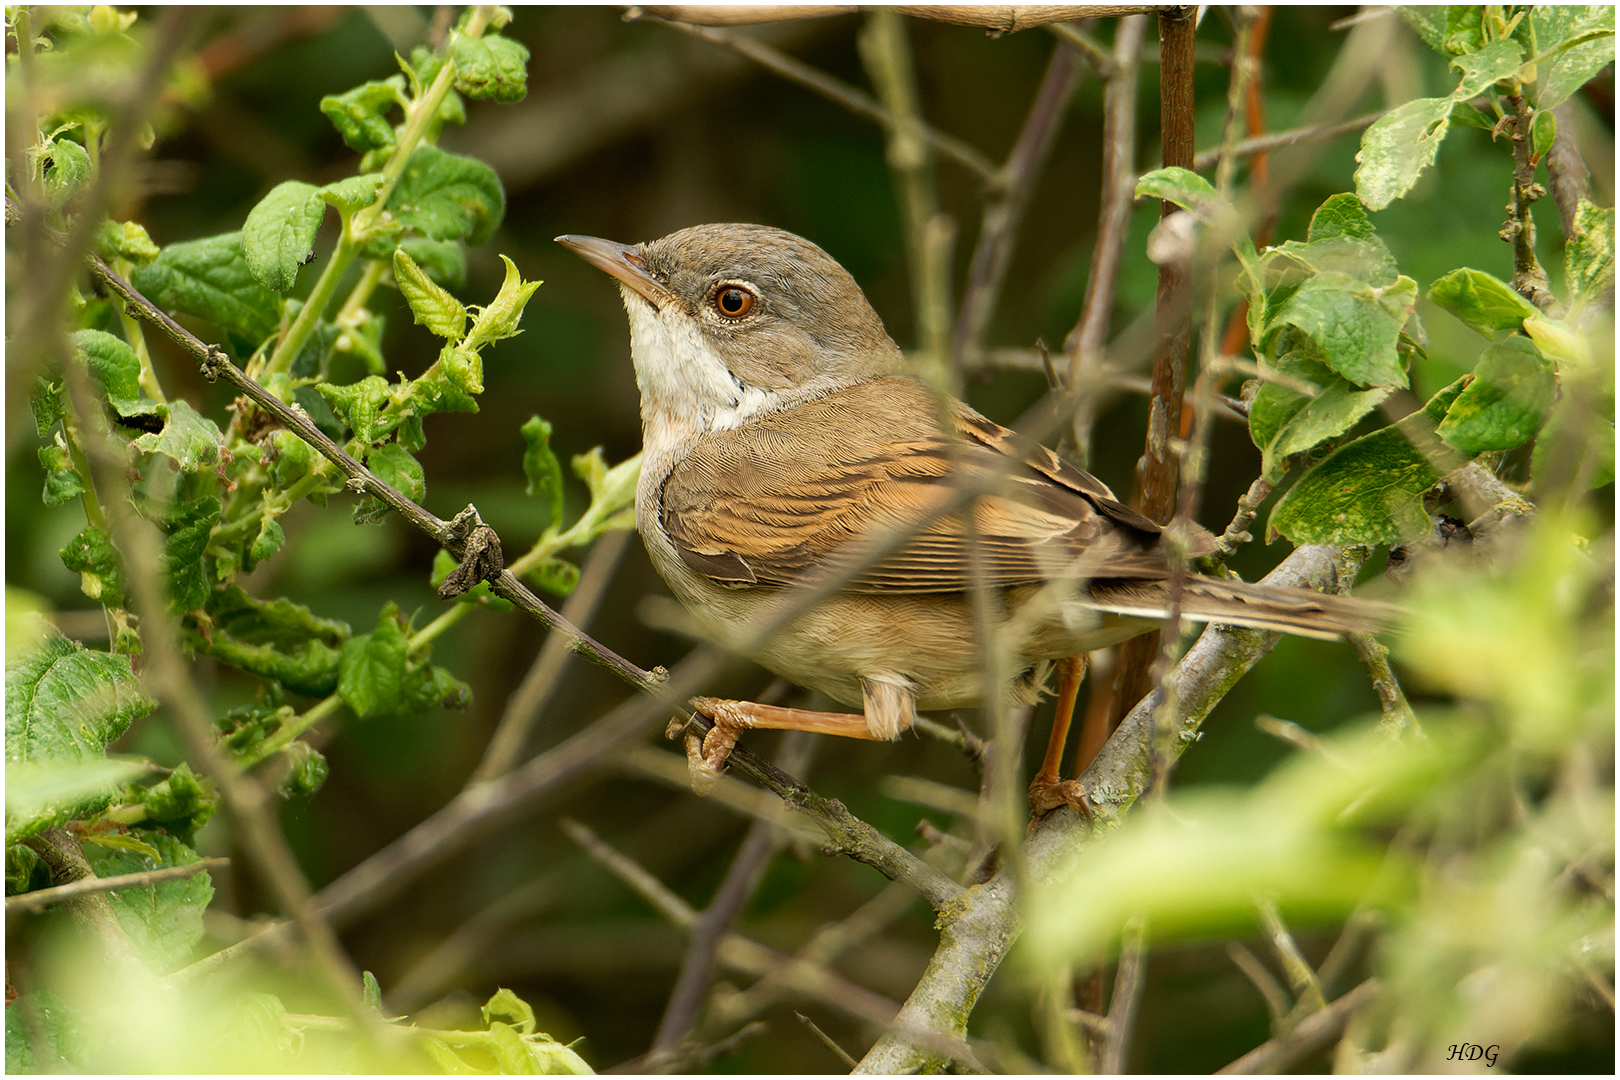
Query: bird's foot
x: 1047, y: 793
x: 706, y: 754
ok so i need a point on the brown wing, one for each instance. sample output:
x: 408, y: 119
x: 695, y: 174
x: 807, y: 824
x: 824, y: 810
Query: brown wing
x: 784, y: 498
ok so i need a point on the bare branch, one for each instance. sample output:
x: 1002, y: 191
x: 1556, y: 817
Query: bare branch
x: 1265, y: 144
x: 826, y: 1040
x: 1301, y: 977
x: 1128, y: 985
x: 838, y: 92
x: 1316, y: 1032
x: 1006, y: 19
x: 1086, y: 342
x: 1095, y: 54
x: 39, y: 899
x: 1277, y: 1001
x: 1396, y: 715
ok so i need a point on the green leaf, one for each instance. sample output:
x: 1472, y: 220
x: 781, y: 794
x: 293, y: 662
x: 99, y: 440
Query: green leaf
x: 447, y: 197
x: 1589, y: 254
x: 371, y: 667
x: 181, y: 804
x: 66, y: 703
x: 430, y: 305
x: 1572, y: 69
x: 352, y: 193
x: 190, y: 439
x: 164, y: 922
x: 1429, y: 23
x: 44, y: 1036
x: 1503, y: 407
x: 1334, y: 411
x: 358, y: 405
x: 275, y: 639
x: 48, y: 399
x: 445, y: 261
x: 100, y: 567
x: 45, y: 793
x: 1368, y: 260
x: 1543, y: 129
x: 210, y: 279
x: 125, y: 240
x: 279, y: 235
x: 62, y: 481
x: 1181, y: 186
x: 306, y: 771
x: 508, y: 1008
x: 510, y: 1052
x: 395, y: 467
x: 291, y: 459
x: 1498, y: 60
x: 1487, y: 304
x: 450, y: 385
x: 1370, y: 491
x: 500, y: 319
x: 556, y: 576
x: 431, y: 687
x: 1353, y: 324
x: 541, y: 467
x: 1398, y: 147
x: 490, y: 68
x: 1341, y: 215
x: 268, y: 541
x: 68, y: 169
x: 117, y: 370
x: 1465, y: 114
x: 190, y: 526
x: 363, y: 338
x: 361, y: 114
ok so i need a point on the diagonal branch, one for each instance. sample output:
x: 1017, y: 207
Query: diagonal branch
x: 40, y: 899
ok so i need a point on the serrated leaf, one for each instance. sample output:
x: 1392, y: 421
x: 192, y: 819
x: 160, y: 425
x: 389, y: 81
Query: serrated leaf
x: 358, y: 405
x: 352, y: 193
x: 1353, y: 325
x: 292, y: 458
x: 66, y: 703
x: 431, y: 306
x: 1367, y: 259
x: 445, y: 261
x: 1465, y: 114
x: 395, y: 467
x: 181, y: 804
x: 1503, y: 407
x: 511, y: 1054
x: 117, y: 370
x: 1181, y: 186
x: 500, y: 319
x: 44, y: 1036
x: 1340, y: 215
x: 490, y: 68
x: 508, y: 1008
x: 189, y: 439
x: 541, y: 467
x: 1589, y: 254
x: 1398, y: 147
x: 210, y: 279
x: 62, y: 481
x: 1498, y: 60
x: 1370, y: 491
x: 100, y: 567
x: 272, y: 622
x: 48, y: 400
x: 278, y: 237
x: 126, y: 240
x: 67, y: 171
x: 46, y: 793
x: 1573, y: 67
x: 163, y: 921
x: 1334, y: 411
x: 268, y: 541
x: 371, y: 668
x: 1487, y: 304
x: 189, y: 528
x: 448, y: 197
x: 361, y: 115
x: 430, y: 687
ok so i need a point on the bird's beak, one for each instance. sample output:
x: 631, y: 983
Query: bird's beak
x: 623, y: 262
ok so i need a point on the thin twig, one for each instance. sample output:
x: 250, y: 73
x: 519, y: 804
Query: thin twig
x: 1004, y: 211
x: 526, y: 704
x: 1265, y: 144
x: 1086, y: 342
x: 742, y: 878
x: 1237, y: 531
x: 1316, y: 1032
x: 1277, y: 1000
x: 1129, y: 982
x: 836, y: 91
x: 1396, y: 718
x: 1095, y: 54
x: 826, y: 1040
x: 885, y: 50
x: 1520, y: 230
x: 999, y: 18
x: 1301, y: 976
x: 39, y: 899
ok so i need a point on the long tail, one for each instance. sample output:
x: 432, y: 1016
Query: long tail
x: 1265, y: 607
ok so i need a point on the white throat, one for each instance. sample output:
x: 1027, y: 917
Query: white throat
x: 686, y: 388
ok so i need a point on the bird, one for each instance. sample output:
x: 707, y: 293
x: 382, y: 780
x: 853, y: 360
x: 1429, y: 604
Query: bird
x: 785, y: 447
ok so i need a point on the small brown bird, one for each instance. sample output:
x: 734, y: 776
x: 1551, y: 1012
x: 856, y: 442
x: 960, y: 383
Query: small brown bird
x: 783, y: 444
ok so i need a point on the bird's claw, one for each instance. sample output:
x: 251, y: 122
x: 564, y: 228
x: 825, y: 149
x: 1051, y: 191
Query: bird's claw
x: 1046, y: 795
x: 706, y: 754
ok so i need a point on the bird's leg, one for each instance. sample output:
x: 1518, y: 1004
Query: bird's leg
x: 705, y: 758
x: 1047, y: 791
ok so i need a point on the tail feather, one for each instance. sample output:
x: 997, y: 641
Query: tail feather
x: 1264, y: 607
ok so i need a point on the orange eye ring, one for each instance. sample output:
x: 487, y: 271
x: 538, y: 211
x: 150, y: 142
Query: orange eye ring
x: 733, y: 301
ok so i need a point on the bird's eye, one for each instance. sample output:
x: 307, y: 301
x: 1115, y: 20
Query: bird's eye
x: 733, y: 301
